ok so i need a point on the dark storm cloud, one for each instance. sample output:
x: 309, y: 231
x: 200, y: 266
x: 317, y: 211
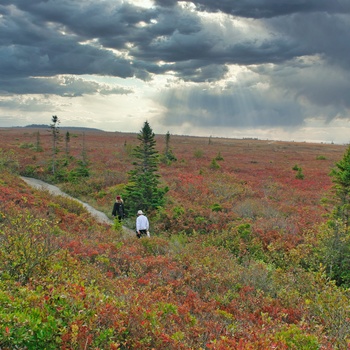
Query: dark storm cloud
x: 43, y: 40
x: 200, y: 72
x: 322, y: 33
x: 46, y: 38
x: 266, y: 8
x: 43, y: 49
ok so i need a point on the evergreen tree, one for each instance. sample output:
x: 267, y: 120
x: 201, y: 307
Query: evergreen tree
x: 55, y: 138
x: 143, y: 191
x: 167, y: 143
x: 341, y: 180
x: 168, y: 156
x: 67, y: 139
x: 38, y: 146
x: 84, y: 159
x: 335, y: 245
x: 83, y: 170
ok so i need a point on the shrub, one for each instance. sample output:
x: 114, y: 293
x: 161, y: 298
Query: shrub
x: 216, y: 207
x: 75, y: 175
x: 26, y: 245
x: 178, y: 211
x: 332, y: 251
x: 198, y: 153
x: 214, y: 165
x: 29, y: 170
x: 117, y: 225
x: 239, y: 240
x: 26, y: 145
x: 329, y: 306
x: 295, y: 338
x: 84, y: 187
x: 219, y: 157
x: 70, y: 205
x: 156, y: 246
x: 299, y: 175
x: 24, y: 326
x: 8, y: 161
x: 253, y: 208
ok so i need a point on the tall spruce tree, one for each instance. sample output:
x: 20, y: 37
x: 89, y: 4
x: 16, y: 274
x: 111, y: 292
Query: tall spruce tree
x: 336, y: 246
x: 67, y: 139
x: 168, y: 153
x: 143, y: 191
x: 55, y: 138
x: 341, y: 180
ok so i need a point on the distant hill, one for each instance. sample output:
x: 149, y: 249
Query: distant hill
x: 44, y: 126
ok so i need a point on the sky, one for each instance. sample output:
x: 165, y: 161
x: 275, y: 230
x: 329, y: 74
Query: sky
x: 266, y: 69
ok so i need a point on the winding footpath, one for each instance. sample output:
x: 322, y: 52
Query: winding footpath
x: 41, y: 185
x: 99, y: 216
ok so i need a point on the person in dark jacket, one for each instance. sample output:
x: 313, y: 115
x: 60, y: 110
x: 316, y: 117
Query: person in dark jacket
x: 118, y: 208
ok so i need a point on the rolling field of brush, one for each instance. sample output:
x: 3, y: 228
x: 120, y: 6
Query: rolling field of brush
x: 241, y: 255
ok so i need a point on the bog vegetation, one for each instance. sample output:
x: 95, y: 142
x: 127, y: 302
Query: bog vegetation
x: 250, y: 244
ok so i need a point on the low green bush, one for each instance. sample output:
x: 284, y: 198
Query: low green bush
x: 27, y: 243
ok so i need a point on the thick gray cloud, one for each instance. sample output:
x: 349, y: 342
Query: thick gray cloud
x: 266, y: 8
x: 294, y: 55
x: 46, y: 38
x: 68, y: 86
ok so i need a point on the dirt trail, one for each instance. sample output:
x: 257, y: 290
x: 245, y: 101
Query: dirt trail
x: 100, y: 216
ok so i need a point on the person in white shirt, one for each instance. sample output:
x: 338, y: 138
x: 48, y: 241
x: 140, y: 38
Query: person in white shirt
x: 142, y: 224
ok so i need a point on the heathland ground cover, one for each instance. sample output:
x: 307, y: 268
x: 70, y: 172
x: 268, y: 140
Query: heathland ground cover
x: 239, y: 256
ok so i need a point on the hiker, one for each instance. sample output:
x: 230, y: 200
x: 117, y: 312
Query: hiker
x: 118, y: 208
x: 142, y: 224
